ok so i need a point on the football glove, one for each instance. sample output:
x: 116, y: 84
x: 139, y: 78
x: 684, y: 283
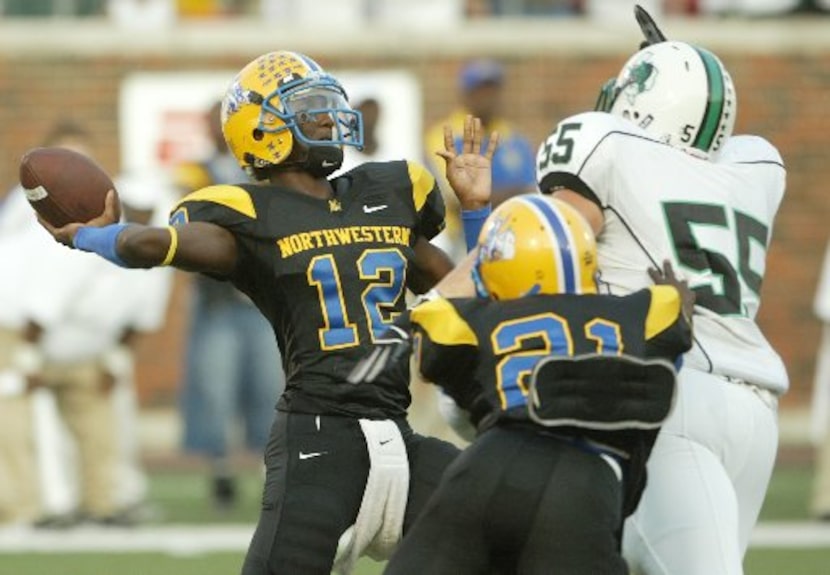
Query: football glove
x: 666, y: 276
x: 389, y: 351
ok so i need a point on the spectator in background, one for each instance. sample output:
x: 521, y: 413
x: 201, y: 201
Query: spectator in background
x: 145, y: 199
x: 188, y: 9
x: 90, y: 352
x: 21, y: 358
x: 18, y: 360
x: 47, y: 8
x: 820, y: 507
x: 372, y: 151
x: 481, y: 84
x: 232, y: 370
x: 142, y: 14
x: 76, y: 322
x: 535, y: 7
x: 370, y: 108
x: 756, y: 8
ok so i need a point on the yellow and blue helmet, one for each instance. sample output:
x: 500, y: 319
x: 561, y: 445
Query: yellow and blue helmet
x: 534, y: 244
x: 271, y: 96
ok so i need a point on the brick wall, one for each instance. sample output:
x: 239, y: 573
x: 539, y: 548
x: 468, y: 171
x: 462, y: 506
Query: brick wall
x: 782, y: 96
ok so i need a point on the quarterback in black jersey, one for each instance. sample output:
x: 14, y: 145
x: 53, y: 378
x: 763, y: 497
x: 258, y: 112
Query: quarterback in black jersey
x: 567, y: 389
x: 328, y: 262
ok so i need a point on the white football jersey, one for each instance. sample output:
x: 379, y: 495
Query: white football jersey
x: 712, y: 219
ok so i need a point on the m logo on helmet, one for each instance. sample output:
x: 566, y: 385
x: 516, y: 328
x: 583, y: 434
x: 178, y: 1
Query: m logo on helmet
x: 639, y: 78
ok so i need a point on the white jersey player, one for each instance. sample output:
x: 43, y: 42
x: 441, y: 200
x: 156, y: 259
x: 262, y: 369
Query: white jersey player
x: 661, y: 177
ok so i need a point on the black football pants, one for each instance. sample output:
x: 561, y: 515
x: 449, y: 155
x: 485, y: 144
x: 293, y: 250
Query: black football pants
x: 316, y: 470
x: 518, y: 502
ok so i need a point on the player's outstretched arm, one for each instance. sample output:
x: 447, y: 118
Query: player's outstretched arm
x: 194, y: 246
x: 459, y: 282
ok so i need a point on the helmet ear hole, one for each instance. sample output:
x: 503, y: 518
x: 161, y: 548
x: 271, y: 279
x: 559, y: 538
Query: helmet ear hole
x: 258, y: 135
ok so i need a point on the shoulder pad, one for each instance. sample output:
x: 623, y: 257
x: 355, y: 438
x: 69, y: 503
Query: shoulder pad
x: 567, y: 149
x: 422, y: 183
x: 663, y: 310
x: 215, y: 204
x: 442, y: 323
x: 747, y: 149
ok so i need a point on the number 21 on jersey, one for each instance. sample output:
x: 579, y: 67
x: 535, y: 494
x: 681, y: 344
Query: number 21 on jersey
x: 556, y: 336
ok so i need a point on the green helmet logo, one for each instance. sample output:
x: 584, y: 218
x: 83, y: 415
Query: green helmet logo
x: 639, y: 78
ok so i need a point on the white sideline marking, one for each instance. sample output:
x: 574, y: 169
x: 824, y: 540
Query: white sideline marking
x: 173, y: 539
x: 791, y: 534
x: 196, y: 539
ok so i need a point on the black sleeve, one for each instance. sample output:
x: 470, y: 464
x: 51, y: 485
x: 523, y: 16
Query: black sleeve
x: 555, y: 181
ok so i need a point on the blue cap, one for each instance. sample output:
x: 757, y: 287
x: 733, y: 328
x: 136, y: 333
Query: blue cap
x: 479, y: 72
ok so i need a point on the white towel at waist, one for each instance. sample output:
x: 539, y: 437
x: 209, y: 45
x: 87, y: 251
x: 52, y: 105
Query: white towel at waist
x: 379, y: 524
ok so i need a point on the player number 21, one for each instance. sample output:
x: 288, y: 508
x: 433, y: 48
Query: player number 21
x: 556, y: 337
x: 384, y: 269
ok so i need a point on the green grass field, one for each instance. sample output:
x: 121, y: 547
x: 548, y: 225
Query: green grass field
x: 181, y: 499
x: 758, y: 562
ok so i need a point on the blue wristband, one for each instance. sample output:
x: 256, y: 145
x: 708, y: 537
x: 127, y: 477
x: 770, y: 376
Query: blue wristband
x: 473, y: 221
x: 100, y: 241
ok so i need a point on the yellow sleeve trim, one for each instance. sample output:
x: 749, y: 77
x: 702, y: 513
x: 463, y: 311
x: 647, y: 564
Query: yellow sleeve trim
x: 232, y: 197
x: 663, y: 310
x: 174, y: 244
x: 422, y: 184
x: 441, y: 322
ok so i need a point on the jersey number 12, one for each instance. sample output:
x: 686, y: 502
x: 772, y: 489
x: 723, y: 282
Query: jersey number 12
x: 385, y: 272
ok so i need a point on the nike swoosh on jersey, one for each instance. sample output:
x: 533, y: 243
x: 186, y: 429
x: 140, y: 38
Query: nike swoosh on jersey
x: 370, y: 209
x: 311, y: 454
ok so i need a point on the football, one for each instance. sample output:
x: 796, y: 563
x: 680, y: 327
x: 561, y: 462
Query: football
x: 63, y: 185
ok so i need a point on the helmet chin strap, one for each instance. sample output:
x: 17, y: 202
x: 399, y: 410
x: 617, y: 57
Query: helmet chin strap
x: 318, y: 161
x: 322, y: 161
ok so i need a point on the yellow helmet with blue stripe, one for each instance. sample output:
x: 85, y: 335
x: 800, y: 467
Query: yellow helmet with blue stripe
x: 271, y: 97
x: 535, y: 244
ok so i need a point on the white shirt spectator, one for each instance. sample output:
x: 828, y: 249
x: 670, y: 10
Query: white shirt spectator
x: 19, y: 230
x: 142, y: 14
x: 820, y: 405
x: 748, y: 7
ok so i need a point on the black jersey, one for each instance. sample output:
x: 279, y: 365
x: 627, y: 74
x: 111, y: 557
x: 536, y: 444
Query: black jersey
x: 329, y: 274
x: 482, y: 352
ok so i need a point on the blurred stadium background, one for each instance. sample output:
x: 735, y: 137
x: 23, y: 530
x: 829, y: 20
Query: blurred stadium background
x: 141, y: 87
